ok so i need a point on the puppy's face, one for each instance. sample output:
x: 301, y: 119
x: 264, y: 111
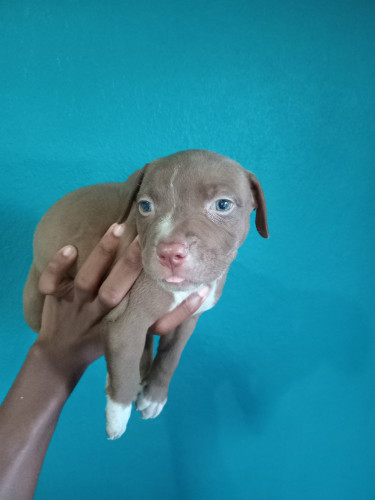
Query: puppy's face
x: 192, y: 215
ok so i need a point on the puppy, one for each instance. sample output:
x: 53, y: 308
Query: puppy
x: 191, y: 211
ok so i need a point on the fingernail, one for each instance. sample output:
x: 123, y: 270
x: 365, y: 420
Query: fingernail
x: 200, y: 295
x: 118, y: 230
x: 194, y: 300
x: 68, y: 251
x: 203, y: 291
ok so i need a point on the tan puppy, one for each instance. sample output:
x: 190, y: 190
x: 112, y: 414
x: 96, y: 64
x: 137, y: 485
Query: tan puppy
x: 191, y: 211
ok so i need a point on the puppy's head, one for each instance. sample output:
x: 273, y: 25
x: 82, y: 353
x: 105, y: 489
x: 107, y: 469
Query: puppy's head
x: 192, y: 214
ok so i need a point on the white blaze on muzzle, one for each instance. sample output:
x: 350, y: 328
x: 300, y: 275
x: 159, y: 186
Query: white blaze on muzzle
x: 164, y: 228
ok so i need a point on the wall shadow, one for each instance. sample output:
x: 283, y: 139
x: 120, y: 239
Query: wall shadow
x: 252, y: 352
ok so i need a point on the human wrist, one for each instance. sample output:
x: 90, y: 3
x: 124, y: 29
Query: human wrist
x: 61, y: 365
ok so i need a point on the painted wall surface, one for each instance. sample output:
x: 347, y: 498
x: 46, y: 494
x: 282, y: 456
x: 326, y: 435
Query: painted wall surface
x: 274, y: 397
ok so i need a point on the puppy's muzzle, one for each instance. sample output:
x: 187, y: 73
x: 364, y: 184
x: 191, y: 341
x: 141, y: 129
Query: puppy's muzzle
x: 172, y: 255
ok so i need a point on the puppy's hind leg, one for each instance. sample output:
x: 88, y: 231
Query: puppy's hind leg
x: 154, y: 392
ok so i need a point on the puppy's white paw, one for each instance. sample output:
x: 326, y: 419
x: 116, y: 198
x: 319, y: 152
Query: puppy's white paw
x: 117, y: 416
x: 147, y: 407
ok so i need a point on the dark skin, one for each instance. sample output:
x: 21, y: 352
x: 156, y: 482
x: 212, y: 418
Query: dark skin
x: 69, y: 341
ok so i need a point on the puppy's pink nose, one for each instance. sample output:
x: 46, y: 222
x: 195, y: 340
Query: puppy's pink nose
x: 171, y: 254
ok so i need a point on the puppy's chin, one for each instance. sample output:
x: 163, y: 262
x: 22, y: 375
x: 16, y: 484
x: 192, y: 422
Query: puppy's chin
x: 189, y: 284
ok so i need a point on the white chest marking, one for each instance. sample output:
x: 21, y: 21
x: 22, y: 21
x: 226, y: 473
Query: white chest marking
x: 207, y: 304
x: 211, y: 299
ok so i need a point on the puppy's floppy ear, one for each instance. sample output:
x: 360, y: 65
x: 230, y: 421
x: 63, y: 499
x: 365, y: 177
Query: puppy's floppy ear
x: 132, y: 184
x: 260, y: 205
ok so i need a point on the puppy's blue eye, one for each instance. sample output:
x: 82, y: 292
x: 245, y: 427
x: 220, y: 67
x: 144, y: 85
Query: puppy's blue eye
x: 223, y: 205
x: 145, y: 207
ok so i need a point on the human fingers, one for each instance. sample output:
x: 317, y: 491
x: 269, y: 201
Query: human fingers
x: 53, y: 278
x: 98, y: 262
x: 187, y: 308
x: 121, y: 278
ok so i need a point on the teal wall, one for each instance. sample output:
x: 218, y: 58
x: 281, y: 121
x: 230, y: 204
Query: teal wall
x: 274, y: 398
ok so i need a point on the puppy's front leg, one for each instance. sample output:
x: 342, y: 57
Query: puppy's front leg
x: 124, y: 344
x: 153, y: 396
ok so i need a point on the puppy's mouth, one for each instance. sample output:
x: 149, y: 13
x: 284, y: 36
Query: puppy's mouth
x: 174, y: 279
x: 175, y: 283
x: 178, y: 283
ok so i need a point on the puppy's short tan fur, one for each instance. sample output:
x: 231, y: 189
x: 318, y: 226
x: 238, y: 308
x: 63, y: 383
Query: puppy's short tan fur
x: 191, y: 211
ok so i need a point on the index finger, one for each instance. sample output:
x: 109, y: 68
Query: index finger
x: 98, y: 262
x: 121, y: 278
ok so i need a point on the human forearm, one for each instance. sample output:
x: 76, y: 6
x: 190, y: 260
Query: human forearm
x: 28, y: 417
x: 69, y: 340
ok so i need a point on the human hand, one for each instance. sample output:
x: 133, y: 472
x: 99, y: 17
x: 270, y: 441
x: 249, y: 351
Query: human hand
x: 73, y: 308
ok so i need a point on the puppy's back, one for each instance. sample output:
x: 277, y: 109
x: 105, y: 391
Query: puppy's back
x: 80, y: 218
